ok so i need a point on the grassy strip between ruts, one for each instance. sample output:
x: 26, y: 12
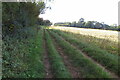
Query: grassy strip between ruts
x: 108, y: 60
x: 58, y: 67
x: 23, y: 56
x: 36, y: 66
x: 89, y: 69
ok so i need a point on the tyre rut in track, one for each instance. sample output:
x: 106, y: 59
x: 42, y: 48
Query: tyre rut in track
x: 85, y: 54
x: 74, y: 71
x: 46, y: 61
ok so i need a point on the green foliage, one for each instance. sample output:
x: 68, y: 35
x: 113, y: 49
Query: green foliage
x: 22, y: 55
x: 17, y: 15
x: 119, y: 27
x: 62, y: 24
x: 73, y: 24
x: 41, y: 6
x: 40, y: 21
x: 89, y: 24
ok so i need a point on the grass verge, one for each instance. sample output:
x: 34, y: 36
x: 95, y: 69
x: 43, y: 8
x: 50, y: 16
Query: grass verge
x: 22, y: 55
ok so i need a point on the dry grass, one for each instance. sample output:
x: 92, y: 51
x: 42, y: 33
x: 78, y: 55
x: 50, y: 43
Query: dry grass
x: 104, y: 34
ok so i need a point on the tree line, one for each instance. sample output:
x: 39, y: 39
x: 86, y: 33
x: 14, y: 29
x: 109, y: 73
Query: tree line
x: 19, y: 15
x: 89, y: 24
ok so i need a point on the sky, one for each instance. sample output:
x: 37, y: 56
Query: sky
x: 91, y: 10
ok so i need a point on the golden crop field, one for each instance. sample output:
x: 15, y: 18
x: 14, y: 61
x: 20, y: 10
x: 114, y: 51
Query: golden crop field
x: 104, y: 34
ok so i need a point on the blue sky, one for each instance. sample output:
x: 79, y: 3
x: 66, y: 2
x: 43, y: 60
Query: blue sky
x: 91, y: 10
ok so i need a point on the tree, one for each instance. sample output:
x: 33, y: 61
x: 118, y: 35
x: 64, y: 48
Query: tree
x: 81, y: 20
x: 89, y: 24
x: 119, y: 28
x: 18, y: 15
x: 43, y: 22
x: 98, y: 25
x: 73, y: 24
x: 40, y: 21
x: 80, y: 23
x: 47, y: 23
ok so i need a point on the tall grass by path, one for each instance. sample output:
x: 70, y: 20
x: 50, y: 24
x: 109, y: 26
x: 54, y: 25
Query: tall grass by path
x: 108, y: 60
x: 89, y: 69
x: 22, y: 55
x: 58, y: 67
